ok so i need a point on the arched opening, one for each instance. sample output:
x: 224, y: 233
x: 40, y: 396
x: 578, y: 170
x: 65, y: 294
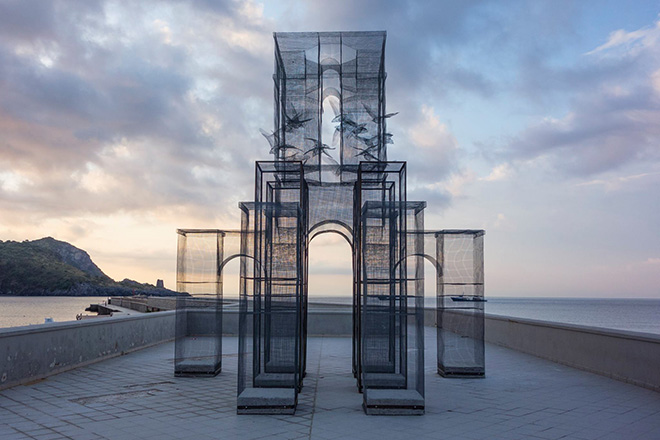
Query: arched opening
x: 330, y: 281
x: 430, y: 284
x: 230, y: 273
x: 330, y: 137
x: 229, y: 270
x: 330, y: 272
x: 335, y: 226
x: 431, y: 273
x: 330, y: 140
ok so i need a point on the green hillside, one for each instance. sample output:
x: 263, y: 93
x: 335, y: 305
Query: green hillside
x: 49, y: 267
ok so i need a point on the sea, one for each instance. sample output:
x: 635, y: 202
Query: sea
x: 632, y: 314
x: 639, y: 315
x: 17, y: 311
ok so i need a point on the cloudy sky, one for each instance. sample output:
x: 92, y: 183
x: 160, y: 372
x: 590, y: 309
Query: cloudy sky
x: 121, y: 121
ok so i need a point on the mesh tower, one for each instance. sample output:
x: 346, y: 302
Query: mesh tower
x: 383, y: 182
x: 271, y: 337
x: 460, y: 312
x: 329, y: 94
x: 198, y: 328
x: 391, y: 291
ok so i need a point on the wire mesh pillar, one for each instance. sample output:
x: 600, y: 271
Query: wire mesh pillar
x: 383, y: 182
x: 198, y: 327
x: 392, y: 313
x: 272, y: 309
x: 460, y: 303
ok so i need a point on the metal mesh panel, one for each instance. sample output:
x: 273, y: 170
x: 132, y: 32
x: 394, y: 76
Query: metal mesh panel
x: 282, y: 247
x: 347, y: 67
x: 392, y: 277
x: 271, y: 336
x: 384, y: 183
x: 460, y: 314
x: 198, y: 328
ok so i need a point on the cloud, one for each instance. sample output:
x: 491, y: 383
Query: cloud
x: 646, y: 37
x: 431, y: 151
x: 612, y: 119
x: 499, y: 172
x: 615, y: 183
x: 115, y: 107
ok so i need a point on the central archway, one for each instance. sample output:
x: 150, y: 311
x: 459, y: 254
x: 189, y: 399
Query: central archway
x: 330, y: 271
x: 330, y: 283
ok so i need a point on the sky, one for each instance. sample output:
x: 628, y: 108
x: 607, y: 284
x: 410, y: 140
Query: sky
x: 121, y: 121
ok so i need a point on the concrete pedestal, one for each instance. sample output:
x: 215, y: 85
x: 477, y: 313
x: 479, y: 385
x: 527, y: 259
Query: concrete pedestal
x: 267, y: 401
x: 393, y: 402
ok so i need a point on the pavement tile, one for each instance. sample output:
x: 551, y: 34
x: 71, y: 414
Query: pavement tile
x: 137, y: 396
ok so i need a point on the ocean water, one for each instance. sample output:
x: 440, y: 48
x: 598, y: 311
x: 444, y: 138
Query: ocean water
x: 635, y: 314
x: 27, y: 310
x: 639, y: 315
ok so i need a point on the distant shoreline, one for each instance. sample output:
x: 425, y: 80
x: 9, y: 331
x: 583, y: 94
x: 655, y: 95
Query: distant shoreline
x: 11, y: 295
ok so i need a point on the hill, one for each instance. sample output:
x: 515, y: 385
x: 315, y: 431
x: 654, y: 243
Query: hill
x: 49, y: 267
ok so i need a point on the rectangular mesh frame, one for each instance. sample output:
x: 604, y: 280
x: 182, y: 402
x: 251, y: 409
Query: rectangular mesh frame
x: 383, y: 182
x: 198, y: 324
x: 460, y: 303
x: 270, y: 306
x: 311, y: 66
x: 284, y: 183
x: 392, y: 293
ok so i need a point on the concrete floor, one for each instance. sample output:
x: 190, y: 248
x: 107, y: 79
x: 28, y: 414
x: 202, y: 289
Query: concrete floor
x: 137, y: 396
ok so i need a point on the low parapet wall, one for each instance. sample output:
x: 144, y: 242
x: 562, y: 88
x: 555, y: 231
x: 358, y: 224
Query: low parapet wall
x: 34, y: 352
x: 626, y: 356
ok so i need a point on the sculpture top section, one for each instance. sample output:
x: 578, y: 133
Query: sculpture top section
x: 329, y: 102
x: 297, y: 51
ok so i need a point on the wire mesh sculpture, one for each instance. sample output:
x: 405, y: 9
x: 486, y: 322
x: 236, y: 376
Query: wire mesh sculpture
x: 330, y: 173
x: 198, y: 326
x: 392, y: 310
x: 460, y: 303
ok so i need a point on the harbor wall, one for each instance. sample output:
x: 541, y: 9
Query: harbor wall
x: 34, y: 352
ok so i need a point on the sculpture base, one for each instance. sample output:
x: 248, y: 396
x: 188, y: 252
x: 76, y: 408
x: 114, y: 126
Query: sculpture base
x: 267, y: 401
x: 393, y: 403
x: 464, y: 372
x: 197, y: 368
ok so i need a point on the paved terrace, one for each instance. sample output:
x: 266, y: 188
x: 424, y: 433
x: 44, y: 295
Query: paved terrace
x: 137, y: 396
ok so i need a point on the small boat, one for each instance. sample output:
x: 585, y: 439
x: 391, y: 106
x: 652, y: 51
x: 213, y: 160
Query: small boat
x: 468, y: 298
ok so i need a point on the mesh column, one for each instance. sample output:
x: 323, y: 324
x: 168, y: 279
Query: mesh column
x: 460, y: 313
x: 198, y: 331
x: 270, y: 321
x: 392, y: 333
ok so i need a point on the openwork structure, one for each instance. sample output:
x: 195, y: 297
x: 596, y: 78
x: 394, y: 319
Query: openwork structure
x: 330, y: 173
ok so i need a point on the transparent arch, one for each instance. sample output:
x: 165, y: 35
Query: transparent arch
x: 335, y: 226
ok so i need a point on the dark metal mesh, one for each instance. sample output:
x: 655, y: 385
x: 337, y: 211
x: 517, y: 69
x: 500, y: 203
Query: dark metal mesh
x: 271, y: 338
x: 346, y: 68
x: 198, y: 327
x: 330, y: 173
x: 384, y: 183
x: 392, y: 349
x: 460, y: 314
